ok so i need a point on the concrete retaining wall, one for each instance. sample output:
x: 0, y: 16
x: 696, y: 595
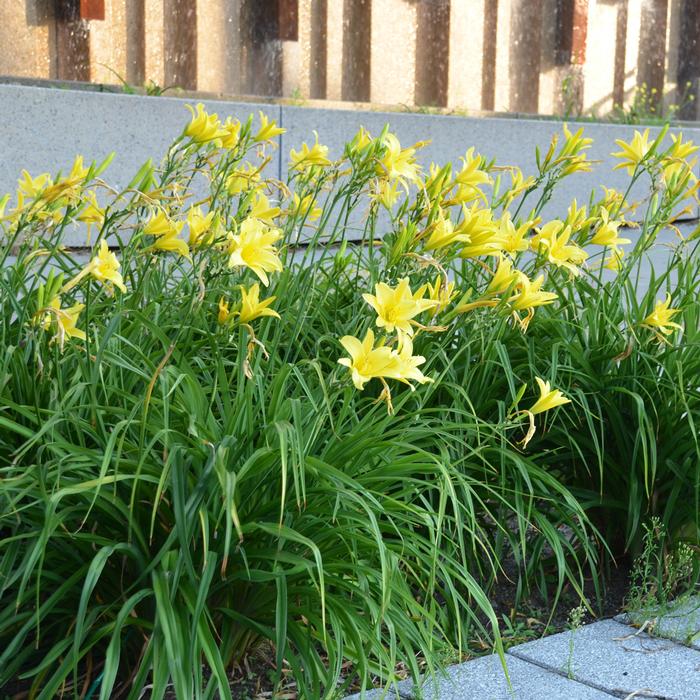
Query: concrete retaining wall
x: 45, y: 128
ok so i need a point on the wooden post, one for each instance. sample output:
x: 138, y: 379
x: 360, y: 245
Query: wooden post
x: 689, y: 59
x: 180, y: 43
x: 357, y: 21
x: 135, y: 42
x: 72, y: 42
x: 571, y: 35
x: 651, y: 66
x: 620, y: 54
x: 488, y: 68
x: 313, y: 44
x: 525, y: 50
x: 432, y: 52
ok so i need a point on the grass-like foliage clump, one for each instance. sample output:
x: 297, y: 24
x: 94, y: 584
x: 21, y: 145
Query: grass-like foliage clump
x: 325, y: 417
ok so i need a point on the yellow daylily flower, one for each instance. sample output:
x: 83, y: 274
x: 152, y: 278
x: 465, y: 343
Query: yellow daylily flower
x: 169, y: 242
x: 204, y: 127
x: 398, y: 163
x: 632, y: 153
x: 442, y: 293
x: 514, y: 240
x: 573, y: 143
x: 262, y: 210
x: 242, y: 179
x: 105, y: 267
x: 397, y: 307
x: 607, y: 232
x: 65, y: 320
x: 360, y: 140
x: 92, y: 213
x: 253, y: 247
x: 438, y: 181
x: 485, y: 235
x: 613, y: 199
x: 166, y: 232
x: 233, y: 130
x: 31, y: 187
x: 577, y: 217
x: 252, y: 307
x: 549, y: 398
x: 224, y: 314
x: 307, y: 157
x: 268, y: 129
x: 613, y: 261
x: 443, y: 234
x: 503, y: 279
x: 407, y: 370
x: 305, y: 207
x: 386, y: 192
x: 529, y: 294
x: 659, y: 320
x: 470, y: 178
x: 519, y: 184
x: 553, y: 241
x: 160, y: 224
x: 67, y: 187
x: 366, y: 361
x: 676, y: 159
x: 201, y: 226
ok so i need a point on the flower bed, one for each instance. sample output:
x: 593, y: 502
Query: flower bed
x: 261, y: 435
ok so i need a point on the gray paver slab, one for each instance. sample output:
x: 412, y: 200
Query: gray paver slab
x: 483, y: 679
x: 679, y: 621
x: 620, y: 660
x: 377, y: 694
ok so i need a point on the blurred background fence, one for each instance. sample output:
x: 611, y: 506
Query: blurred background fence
x: 570, y: 57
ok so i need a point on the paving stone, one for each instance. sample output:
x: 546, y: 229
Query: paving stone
x: 377, y: 694
x: 620, y: 660
x: 483, y: 679
x: 679, y: 621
